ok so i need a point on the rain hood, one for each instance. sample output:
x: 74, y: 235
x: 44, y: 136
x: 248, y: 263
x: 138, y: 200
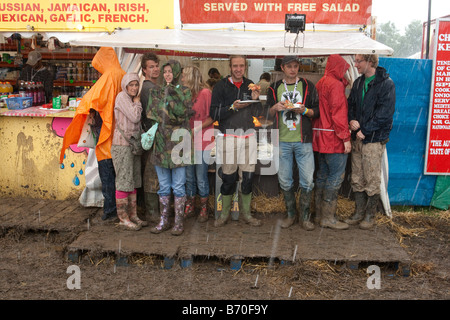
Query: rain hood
x: 101, y: 98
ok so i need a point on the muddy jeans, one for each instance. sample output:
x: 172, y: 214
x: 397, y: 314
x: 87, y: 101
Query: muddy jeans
x: 108, y: 178
x: 366, y: 167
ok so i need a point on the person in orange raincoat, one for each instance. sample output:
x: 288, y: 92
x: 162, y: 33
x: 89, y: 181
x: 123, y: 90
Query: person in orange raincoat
x: 100, y: 98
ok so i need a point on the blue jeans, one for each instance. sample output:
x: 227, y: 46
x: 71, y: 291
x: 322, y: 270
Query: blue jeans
x: 197, y: 175
x: 171, y: 180
x: 108, y: 179
x: 304, y: 157
x: 331, y: 170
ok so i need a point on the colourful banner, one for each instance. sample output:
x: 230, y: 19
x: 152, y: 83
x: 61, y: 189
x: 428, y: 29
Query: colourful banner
x: 317, y: 11
x: 438, y: 140
x: 85, y: 15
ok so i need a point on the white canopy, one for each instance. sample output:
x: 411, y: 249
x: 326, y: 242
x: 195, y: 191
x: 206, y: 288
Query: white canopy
x: 251, y: 43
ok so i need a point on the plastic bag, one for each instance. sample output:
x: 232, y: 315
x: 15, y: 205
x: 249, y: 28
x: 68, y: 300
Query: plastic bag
x: 87, y: 137
x: 148, y: 137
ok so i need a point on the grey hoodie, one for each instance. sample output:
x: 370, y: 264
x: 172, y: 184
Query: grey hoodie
x: 127, y: 114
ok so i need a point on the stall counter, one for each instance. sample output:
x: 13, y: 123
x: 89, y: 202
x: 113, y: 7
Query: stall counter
x: 31, y: 144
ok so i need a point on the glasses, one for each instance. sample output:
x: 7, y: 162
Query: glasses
x: 359, y: 61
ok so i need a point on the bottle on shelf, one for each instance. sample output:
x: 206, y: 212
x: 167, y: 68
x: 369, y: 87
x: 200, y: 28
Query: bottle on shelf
x: 85, y: 90
x: 9, y: 88
x: 29, y: 90
x: 22, y: 88
x: 35, y: 93
x: 41, y: 93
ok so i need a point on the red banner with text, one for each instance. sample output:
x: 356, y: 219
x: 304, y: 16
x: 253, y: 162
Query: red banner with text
x: 438, y: 144
x: 253, y: 11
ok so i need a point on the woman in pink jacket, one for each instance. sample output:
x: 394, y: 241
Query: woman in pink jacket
x: 127, y: 166
x: 331, y: 138
x: 203, y: 130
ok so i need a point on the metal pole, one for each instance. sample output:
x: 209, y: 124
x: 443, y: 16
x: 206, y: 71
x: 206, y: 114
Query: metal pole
x: 428, y: 30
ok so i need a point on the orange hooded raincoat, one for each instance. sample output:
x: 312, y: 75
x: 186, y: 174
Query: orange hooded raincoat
x: 100, y: 97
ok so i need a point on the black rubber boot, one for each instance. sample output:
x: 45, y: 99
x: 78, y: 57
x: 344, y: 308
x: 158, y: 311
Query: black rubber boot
x: 371, y: 210
x: 360, y: 208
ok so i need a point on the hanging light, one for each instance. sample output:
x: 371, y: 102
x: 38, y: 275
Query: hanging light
x: 294, y: 23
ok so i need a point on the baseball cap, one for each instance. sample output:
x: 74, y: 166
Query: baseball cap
x: 288, y: 59
x: 34, y: 57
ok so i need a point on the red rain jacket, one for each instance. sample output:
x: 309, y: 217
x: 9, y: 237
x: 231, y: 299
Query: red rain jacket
x: 331, y: 130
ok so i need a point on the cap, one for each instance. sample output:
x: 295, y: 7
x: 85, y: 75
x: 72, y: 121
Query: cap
x: 288, y: 59
x: 34, y: 57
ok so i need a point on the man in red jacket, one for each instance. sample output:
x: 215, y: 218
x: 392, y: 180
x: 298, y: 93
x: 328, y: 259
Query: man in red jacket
x: 331, y: 138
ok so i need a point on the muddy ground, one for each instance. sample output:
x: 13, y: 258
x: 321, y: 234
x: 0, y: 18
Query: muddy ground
x: 34, y: 265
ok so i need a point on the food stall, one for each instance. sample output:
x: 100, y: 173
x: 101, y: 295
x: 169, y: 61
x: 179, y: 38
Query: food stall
x: 33, y: 140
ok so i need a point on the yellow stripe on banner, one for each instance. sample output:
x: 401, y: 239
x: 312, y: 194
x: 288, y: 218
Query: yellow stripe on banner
x: 85, y: 15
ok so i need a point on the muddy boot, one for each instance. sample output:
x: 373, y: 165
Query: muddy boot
x: 289, y: 200
x: 245, y: 210
x: 226, y: 208
x: 164, y: 207
x: 190, y: 205
x: 371, y: 210
x: 151, y: 207
x: 318, y: 197
x: 203, y: 216
x: 178, y: 227
x: 305, y: 204
x: 360, y: 208
x: 132, y: 210
x: 329, y: 203
x: 122, y: 212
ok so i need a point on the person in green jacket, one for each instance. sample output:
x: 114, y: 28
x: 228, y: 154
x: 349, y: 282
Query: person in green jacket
x: 172, y: 150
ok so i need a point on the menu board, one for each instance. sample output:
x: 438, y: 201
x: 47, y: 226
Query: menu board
x: 437, y: 160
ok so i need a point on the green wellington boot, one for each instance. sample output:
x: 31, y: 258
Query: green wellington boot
x: 245, y: 210
x: 305, y: 215
x: 289, y: 199
x: 225, y: 213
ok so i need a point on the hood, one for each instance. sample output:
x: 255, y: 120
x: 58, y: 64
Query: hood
x: 104, y: 59
x: 127, y: 78
x: 176, y: 70
x: 336, y: 67
x: 381, y: 74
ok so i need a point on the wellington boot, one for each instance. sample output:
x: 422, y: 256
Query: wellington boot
x: 122, y: 212
x: 289, y: 200
x: 132, y: 211
x: 329, y: 211
x: 203, y: 216
x: 318, y: 197
x: 368, y: 221
x: 360, y: 208
x: 178, y: 228
x: 225, y: 213
x: 152, y: 213
x: 164, y: 206
x: 190, y: 207
x: 245, y: 212
x: 305, y: 204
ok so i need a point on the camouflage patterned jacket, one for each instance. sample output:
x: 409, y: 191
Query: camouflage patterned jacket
x: 172, y: 110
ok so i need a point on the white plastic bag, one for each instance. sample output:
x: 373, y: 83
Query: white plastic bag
x: 87, y: 137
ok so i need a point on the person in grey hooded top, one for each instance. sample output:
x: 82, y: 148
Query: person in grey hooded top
x: 127, y: 166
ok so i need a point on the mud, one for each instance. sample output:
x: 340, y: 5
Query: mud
x: 34, y: 259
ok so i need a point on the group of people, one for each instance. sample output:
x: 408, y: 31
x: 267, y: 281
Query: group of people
x: 309, y: 118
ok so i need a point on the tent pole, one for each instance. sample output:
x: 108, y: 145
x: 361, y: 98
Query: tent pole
x: 428, y: 30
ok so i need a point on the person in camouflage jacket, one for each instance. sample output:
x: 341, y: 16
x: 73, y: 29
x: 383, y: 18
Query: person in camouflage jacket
x: 172, y: 149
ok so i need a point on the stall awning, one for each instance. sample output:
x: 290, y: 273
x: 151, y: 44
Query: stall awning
x: 250, y: 43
